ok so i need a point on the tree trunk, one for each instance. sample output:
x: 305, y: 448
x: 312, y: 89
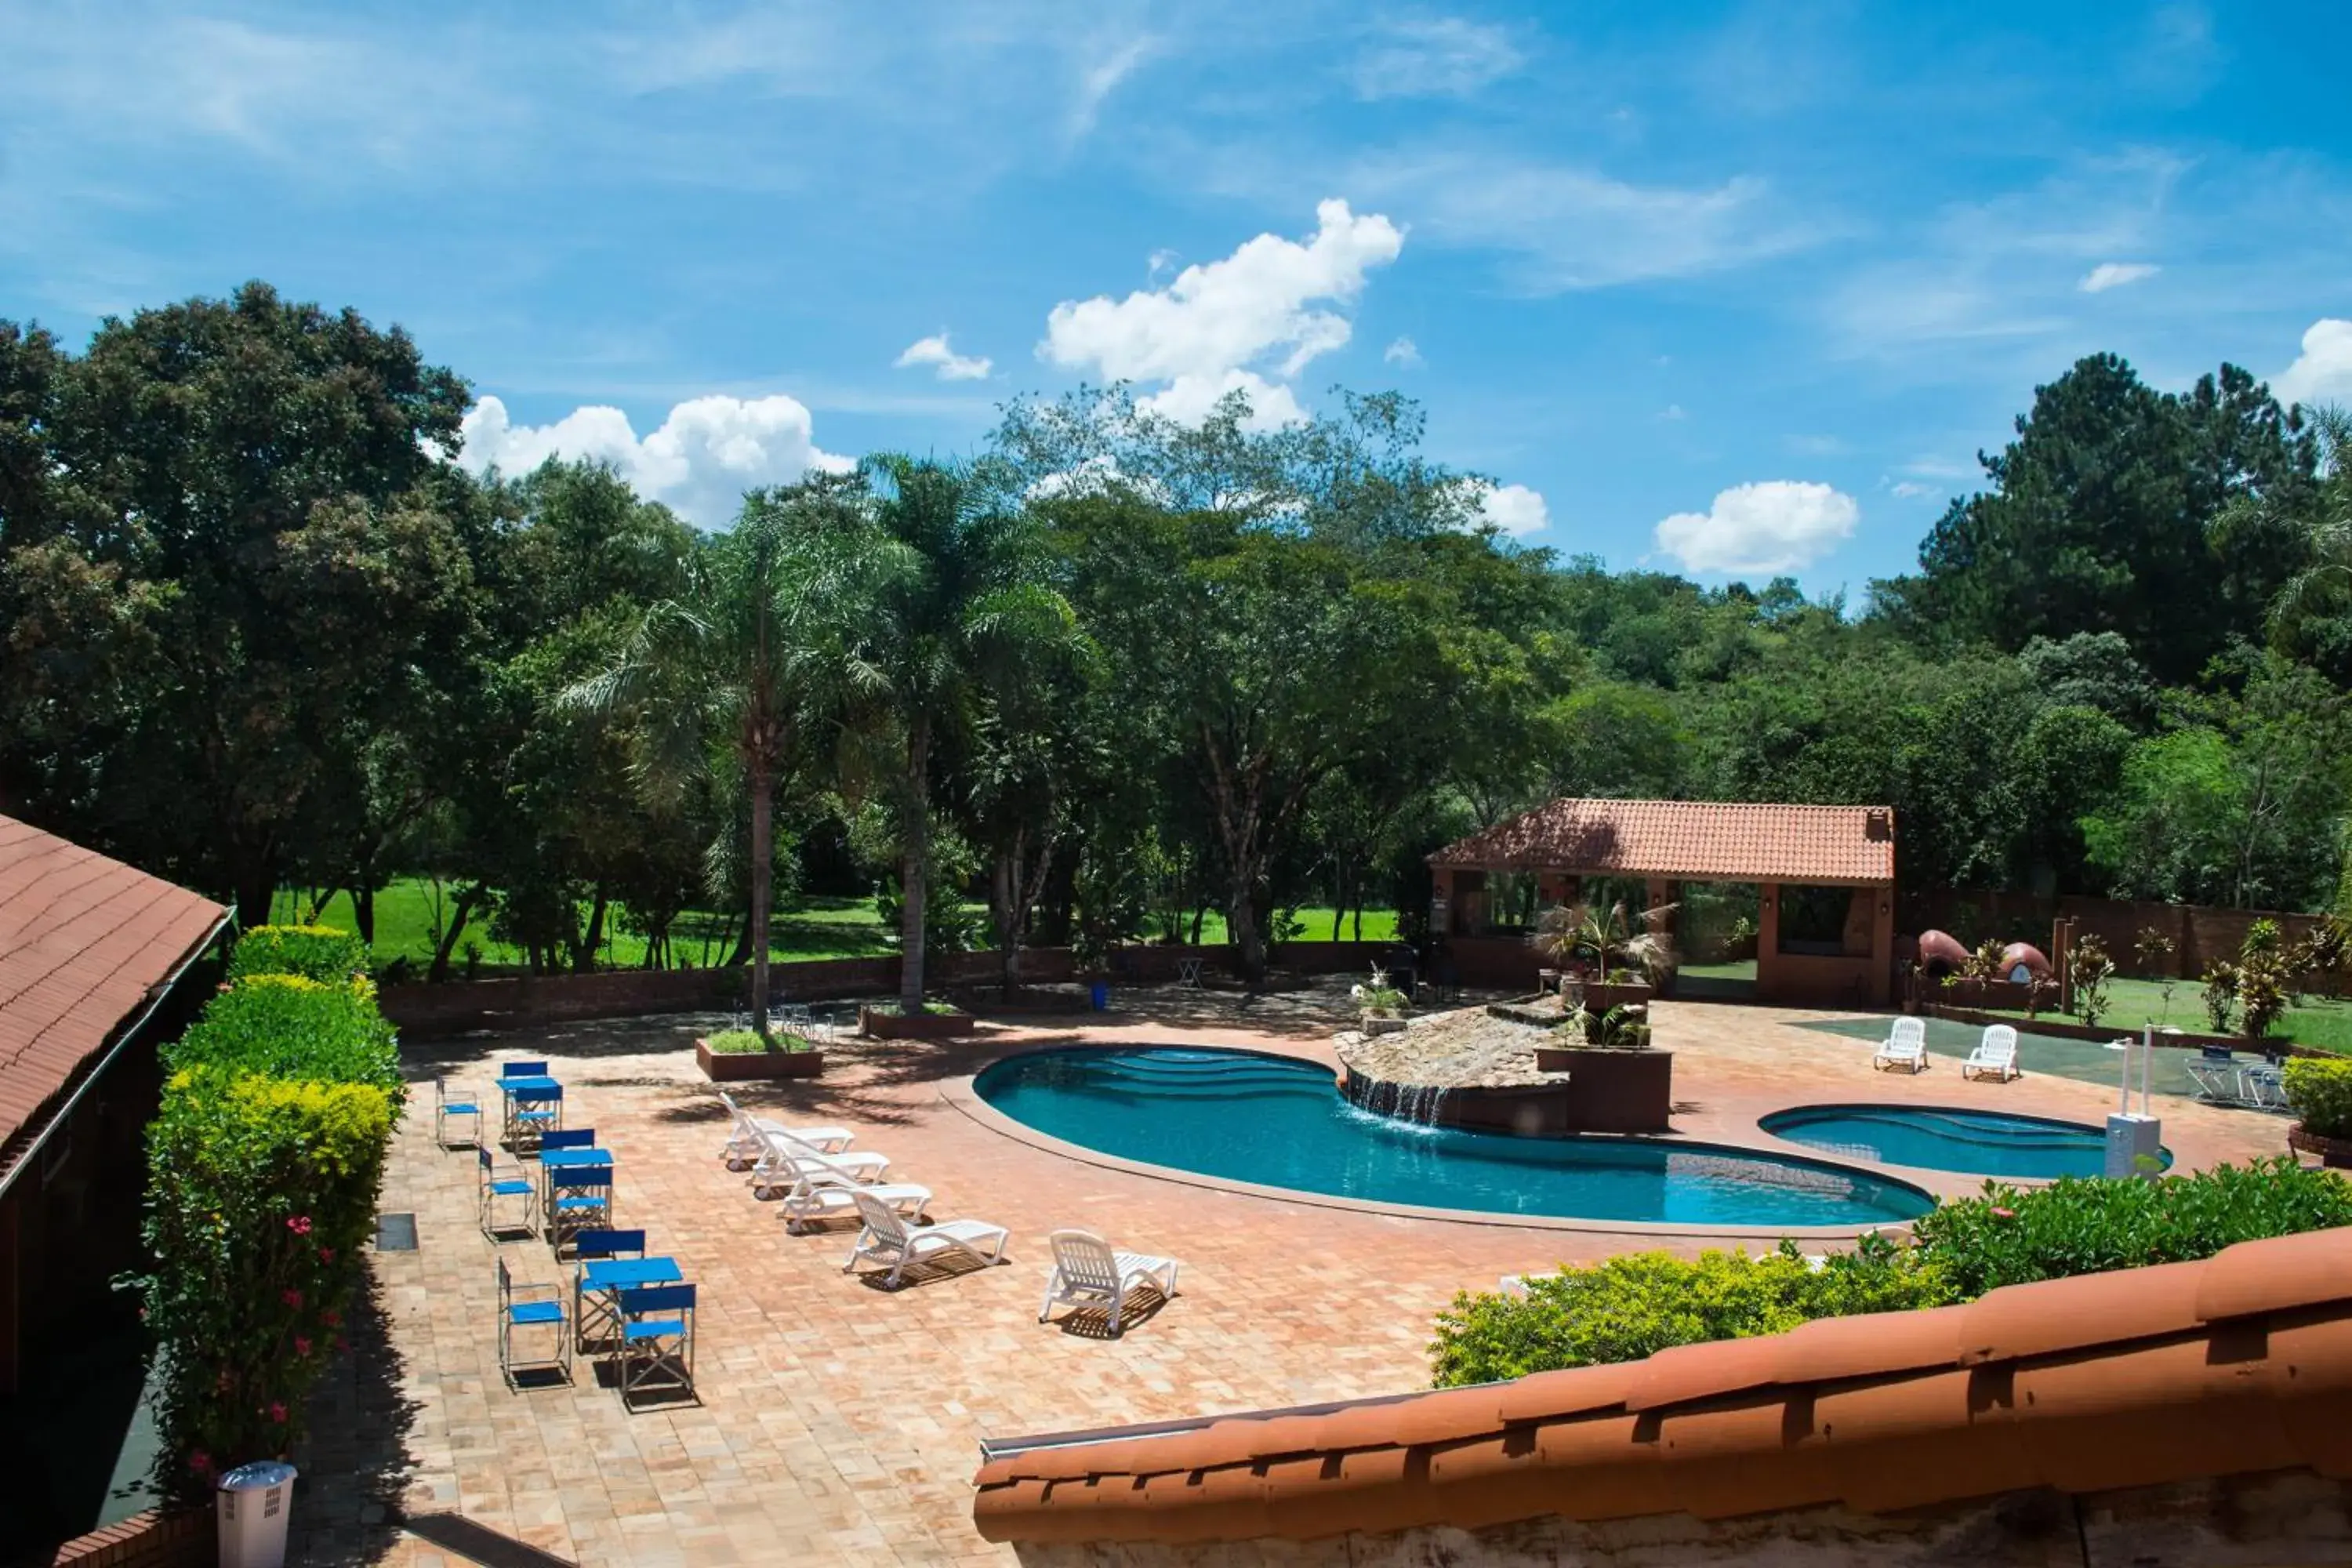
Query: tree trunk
x: 257, y: 889
x: 457, y: 918
x: 1004, y: 884
x: 363, y: 907
x: 584, y: 957
x: 1240, y: 925
x: 763, y: 857
x: 914, y: 847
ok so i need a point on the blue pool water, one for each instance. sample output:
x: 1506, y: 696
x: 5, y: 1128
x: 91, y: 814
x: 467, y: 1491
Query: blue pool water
x: 1283, y: 1123
x: 1936, y: 1138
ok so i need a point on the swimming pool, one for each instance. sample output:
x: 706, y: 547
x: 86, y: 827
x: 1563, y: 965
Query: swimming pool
x: 1280, y: 1122
x: 1943, y: 1138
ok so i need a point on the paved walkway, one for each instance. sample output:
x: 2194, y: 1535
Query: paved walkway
x: 838, y: 1422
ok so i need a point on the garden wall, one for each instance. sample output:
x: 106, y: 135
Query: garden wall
x: 459, y: 1006
x: 2201, y: 935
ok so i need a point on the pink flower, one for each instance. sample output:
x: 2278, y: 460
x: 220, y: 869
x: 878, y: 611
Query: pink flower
x: 299, y: 1225
x: 2004, y: 1213
x: 292, y: 1298
x: 301, y: 1345
x: 331, y: 1317
x: 200, y: 1461
x: 326, y: 1255
x: 278, y: 1413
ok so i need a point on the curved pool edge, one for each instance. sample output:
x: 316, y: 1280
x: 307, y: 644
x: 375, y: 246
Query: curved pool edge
x: 959, y: 1093
x: 1922, y: 1176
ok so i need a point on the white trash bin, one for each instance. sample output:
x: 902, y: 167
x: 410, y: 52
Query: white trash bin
x: 253, y: 1503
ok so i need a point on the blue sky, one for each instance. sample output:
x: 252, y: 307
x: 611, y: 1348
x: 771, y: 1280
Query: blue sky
x: 1726, y: 288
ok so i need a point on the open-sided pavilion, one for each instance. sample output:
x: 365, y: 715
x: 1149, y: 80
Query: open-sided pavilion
x: 1664, y: 843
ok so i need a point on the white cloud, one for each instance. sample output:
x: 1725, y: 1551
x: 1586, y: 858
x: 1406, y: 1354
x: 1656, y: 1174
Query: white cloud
x: 1777, y: 525
x: 1515, y: 509
x: 2110, y: 275
x: 2323, y: 372
x: 1907, y: 489
x: 1403, y: 351
x: 1248, y: 323
x: 952, y: 366
x: 1672, y: 413
x: 1448, y: 56
x: 1099, y: 80
x: 700, y: 461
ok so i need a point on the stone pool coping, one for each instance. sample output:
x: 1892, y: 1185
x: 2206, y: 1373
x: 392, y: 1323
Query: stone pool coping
x: 960, y: 1094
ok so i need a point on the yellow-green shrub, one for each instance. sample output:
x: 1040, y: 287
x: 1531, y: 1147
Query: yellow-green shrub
x: 319, y: 952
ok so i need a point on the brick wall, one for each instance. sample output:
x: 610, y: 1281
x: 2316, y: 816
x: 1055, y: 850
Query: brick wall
x: 424, y: 1010
x: 175, y: 1538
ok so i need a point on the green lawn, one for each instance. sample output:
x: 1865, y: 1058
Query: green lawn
x: 812, y: 928
x: 2324, y: 1022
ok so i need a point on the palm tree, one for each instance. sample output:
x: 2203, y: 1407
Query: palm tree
x: 2326, y: 581
x: 742, y: 671
x: 1606, y: 940
x: 958, y: 604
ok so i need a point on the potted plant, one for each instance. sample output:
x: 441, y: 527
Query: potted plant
x: 1381, y: 1006
x: 1622, y: 966
x: 733, y: 1056
x: 1622, y: 1029
x: 936, y: 1021
x: 2320, y: 1091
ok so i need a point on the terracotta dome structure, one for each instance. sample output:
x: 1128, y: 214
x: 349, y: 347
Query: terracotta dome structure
x: 2023, y: 961
x: 1940, y: 952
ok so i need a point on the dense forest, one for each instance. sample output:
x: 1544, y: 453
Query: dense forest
x: 262, y: 628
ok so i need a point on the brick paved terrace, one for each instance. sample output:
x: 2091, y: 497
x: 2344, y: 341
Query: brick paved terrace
x: 839, y: 1423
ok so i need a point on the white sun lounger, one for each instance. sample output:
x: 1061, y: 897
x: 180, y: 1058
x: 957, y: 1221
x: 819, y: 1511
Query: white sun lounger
x: 1905, y: 1047
x: 1996, y: 1055
x: 810, y: 1202
x: 889, y: 1239
x: 744, y: 1138
x: 1088, y: 1273
x: 784, y: 1162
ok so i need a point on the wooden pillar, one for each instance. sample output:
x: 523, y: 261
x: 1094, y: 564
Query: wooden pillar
x: 1882, y: 947
x: 1767, y: 941
x: 11, y: 1316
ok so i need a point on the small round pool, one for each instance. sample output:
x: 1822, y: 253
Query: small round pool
x: 1280, y: 1122
x: 1944, y: 1138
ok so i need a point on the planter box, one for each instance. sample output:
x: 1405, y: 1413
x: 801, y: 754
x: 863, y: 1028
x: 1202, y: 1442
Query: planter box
x: 1599, y: 997
x: 877, y: 1025
x: 1378, y: 1026
x: 736, y: 1067
x: 2335, y: 1152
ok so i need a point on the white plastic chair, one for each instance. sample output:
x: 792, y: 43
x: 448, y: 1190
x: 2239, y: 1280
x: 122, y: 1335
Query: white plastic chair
x: 1905, y: 1047
x: 1088, y: 1273
x: 812, y: 1201
x: 1996, y: 1055
x: 743, y: 1140
x: 888, y: 1239
x: 786, y: 1161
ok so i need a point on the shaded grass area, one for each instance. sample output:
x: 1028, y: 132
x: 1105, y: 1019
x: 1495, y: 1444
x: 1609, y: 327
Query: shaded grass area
x: 406, y: 921
x: 2322, y: 1021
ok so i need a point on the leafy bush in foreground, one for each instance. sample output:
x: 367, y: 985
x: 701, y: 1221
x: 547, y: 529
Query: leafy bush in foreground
x: 1634, y: 1306
x: 2088, y: 1225
x: 289, y: 1026
x: 316, y: 952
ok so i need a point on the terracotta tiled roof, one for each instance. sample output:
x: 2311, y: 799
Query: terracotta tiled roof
x: 2239, y: 1365
x: 1705, y: 839
x: 82, y: 940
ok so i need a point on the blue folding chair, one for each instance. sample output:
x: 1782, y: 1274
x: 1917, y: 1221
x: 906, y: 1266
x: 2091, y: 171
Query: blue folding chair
x: 580, y: 1198
x: 523, y: 1069
x: 567, y: 1138
x: 445, y: 1108
x: 521, y: 1307
x: 594, y: 1252
x: 536, y: 1117
x: 489, y: 1186
x: 657, y: 1341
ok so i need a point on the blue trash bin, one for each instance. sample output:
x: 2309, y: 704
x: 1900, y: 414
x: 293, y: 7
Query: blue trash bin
x: 1101, y: 992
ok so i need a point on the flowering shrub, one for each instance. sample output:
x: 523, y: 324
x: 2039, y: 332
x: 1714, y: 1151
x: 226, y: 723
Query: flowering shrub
x: 263, y: 1165
x: 316, y: 952
x: 1380, y: 999
x: 289, y: 1026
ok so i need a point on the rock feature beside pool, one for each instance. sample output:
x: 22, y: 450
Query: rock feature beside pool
x: 1478, y: 1069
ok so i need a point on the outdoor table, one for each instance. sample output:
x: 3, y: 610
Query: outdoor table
x: 608, y: 1277
x: 553, y: 1160
x: 518, y: 1092
x: 1188, y: 973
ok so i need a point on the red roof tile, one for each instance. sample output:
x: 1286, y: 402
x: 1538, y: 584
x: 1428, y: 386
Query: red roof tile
x: 2239, y: 1365
x: 1698, y: 839
x: 83, y: 940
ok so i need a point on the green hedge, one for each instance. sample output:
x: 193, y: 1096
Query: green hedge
x: 262, y: 1169
x: 1637, y: 1305
x: 1634, y: 1306
x: 316, y: 952
x: 2091, y: 1225
x: 2321, y: 1093
x: 289, y: 1026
